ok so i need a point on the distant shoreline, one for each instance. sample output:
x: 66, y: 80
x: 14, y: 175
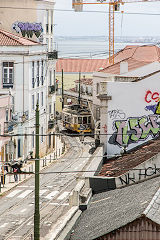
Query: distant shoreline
x: 118, y: 39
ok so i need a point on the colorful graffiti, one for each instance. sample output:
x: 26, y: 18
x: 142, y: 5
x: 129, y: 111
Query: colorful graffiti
x: 135, y: 129
x: 151, y: 96
x: 28, y: 29
x: 151, y: 108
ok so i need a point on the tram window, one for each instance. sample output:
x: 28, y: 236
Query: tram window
x: 89, y: 119
x: 84, y: 120
x: 79, y: 120
x: 75, y: 120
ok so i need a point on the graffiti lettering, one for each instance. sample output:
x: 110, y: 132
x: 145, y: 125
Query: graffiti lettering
x: 132, y: 177
x: 151, y: 108
x: 135, y: 129
x: 149, y: 96
x: 28, y: 29
x: 114, y: 114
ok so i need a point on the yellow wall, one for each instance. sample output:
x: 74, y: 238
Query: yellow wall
x: 68, y: 82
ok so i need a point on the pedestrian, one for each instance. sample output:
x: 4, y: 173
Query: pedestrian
x: 15, y: 174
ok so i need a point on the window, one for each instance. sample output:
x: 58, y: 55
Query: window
x: 50, y: 78
x: 41, y: 134
x: 7, y: 115
x: 12, y: 104
x: 51, y: 44
x: 51, y: 21
x: 98, y: 113
x: 50, y: 108
x: 49, y: 140
x: 97, y: 88
x: 86, y: 89
x: 37, y: 98
x: 47, y: 24
x: 41, y: 98
x: 8, y: 74
x: 47, y: 42
x: 32, y: 102
x: 33, y: 139
x: 79, y: 120
x: 33, y: 72
x: 42, y: 66
x: 37, y: 73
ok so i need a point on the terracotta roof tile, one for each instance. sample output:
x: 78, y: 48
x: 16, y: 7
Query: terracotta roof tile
x: 132, y: 64
x: 119, y: 165
x: 10, y: 39
x: 136, y: 56
x: 80, y: 65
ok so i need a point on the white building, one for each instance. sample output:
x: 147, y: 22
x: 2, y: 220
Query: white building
x: 25, y: 71
x: 126, y: 95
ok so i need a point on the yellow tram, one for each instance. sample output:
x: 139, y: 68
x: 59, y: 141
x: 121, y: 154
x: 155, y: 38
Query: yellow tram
x: 77, y: 118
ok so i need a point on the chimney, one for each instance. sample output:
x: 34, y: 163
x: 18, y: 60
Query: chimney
x: 123, y: 67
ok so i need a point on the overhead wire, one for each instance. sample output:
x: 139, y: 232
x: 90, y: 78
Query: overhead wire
x: 84, y: 11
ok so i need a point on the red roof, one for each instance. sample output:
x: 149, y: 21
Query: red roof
x: 10, y: 39
x: 119, y: 165
x: 135, y: 56
x: 80, y: 65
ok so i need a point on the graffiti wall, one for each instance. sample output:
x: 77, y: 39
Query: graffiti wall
x: 131, y: 114
x: 28, y: 29
x: 147, y: 169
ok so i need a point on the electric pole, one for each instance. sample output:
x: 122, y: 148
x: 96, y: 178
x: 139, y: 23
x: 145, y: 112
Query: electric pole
x: 79, y: 96
x: 37, y: 213
x: 62, y: 92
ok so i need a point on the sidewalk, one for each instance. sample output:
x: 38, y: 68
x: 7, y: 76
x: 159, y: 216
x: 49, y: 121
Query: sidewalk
x: 30, y: 167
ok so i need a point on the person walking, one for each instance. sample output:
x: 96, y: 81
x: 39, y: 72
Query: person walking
x: 15, y: 174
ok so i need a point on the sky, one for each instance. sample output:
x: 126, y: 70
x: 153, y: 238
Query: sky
x: 70, y: 23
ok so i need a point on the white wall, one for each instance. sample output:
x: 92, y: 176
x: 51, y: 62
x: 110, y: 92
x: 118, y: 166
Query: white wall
x: 129, y: 101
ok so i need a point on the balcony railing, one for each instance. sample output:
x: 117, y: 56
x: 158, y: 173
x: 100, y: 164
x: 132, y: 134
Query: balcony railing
x: 51, y: 89
x: 50, y: 124
x: 53, y: 55
x: 8, y: 126
x: 7, y: 85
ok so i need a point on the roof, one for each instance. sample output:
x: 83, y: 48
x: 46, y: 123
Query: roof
x: 80, y: 65
x: 111, y: 210
x: 10, y: 39
x: 135, y: 56
x: 119, y: 165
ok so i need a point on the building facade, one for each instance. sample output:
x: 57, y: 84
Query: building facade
x: 25, y: 74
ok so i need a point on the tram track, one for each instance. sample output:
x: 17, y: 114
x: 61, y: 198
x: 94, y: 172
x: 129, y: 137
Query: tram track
x: 69, y: 182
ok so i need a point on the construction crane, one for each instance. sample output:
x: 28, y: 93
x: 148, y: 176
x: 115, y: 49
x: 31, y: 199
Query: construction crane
x: 114, y: 5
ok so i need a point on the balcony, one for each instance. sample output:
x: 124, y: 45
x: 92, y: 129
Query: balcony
x: 51, y: 89
x: 50, y: 124
x: 53, y: 55
x: 8, y: 126
x: 7, y: 85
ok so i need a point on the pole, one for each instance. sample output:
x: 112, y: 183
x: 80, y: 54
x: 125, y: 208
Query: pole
x: 79, y: 90
x: 37, y: 213
x: 62, y: 92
